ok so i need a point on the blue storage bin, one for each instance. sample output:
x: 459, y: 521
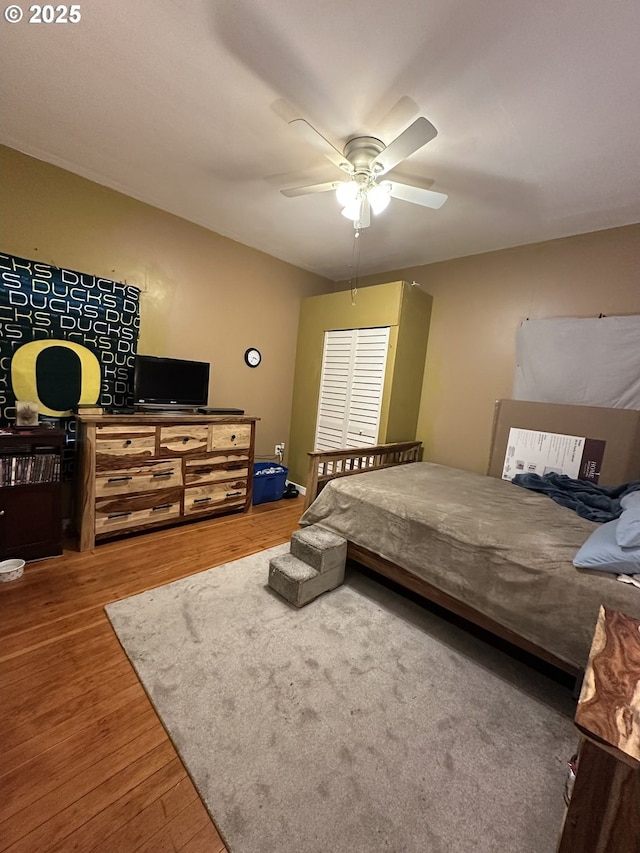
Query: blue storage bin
x: 269, y: 480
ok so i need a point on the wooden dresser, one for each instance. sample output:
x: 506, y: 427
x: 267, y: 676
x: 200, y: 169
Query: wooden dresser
x: 139, y: 472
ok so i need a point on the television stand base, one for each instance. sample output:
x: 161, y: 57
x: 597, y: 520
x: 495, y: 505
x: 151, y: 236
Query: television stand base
x: 209, y: 411
x: 162, y: 411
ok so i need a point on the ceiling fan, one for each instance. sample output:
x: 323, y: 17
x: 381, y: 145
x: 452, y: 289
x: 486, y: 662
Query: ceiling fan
x: 366, y: 159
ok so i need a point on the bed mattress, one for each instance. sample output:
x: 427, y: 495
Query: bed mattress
x: 503, y: 550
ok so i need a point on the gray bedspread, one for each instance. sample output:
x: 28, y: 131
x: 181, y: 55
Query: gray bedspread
x: 499, y: 548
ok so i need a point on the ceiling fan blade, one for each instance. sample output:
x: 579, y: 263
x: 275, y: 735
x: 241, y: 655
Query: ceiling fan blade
x: 318, y: 141
x: 384, y: 120
x: 416, y: 195
x: 312, y: 188
x: 403, y: 146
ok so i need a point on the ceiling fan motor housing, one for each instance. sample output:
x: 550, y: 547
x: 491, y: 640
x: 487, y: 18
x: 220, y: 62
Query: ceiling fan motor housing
x: 361, y: 153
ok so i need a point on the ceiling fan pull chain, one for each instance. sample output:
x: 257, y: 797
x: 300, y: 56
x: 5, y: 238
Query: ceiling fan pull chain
x: 355, y: 257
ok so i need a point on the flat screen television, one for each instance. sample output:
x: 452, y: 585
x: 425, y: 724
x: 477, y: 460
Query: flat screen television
x: 170, y: 383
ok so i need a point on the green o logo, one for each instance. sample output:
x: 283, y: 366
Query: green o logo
x: 57, y: 375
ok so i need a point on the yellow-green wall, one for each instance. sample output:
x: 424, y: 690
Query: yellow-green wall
x: 478, y: 303
x: 204, y: 297
x: 406, y: 310
x: 411, y: 350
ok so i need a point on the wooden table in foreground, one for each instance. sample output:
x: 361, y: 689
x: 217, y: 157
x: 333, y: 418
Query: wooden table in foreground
x: 604, y: 812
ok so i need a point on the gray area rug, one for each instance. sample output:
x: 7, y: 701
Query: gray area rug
x: 361, y: 723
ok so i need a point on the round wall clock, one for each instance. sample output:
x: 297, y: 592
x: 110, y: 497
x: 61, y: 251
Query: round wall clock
x: 253, y: 357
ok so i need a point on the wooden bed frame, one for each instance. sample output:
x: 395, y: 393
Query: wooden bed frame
x: 326, y: 466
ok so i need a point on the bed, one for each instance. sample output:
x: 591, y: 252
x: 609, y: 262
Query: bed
x: 484, y: 548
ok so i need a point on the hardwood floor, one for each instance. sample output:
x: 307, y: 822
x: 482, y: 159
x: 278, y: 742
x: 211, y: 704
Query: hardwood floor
x: 85, y: 764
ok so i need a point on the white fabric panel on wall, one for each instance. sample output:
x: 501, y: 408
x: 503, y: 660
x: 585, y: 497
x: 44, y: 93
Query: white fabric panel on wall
x: 587, y: 362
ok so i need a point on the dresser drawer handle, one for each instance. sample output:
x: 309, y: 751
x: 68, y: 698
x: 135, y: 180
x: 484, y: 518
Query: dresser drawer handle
x: 233, y: 437
x: 201, y: 500
x: 127, y: 442
x: 185, y: 439
x: 233, y: 494
x: 164, y: 473
x: 118, y: 515
x: 162, y: 506
x: 118, y: 479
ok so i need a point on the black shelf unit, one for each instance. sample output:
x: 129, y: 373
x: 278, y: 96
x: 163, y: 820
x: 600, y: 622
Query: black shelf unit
x: 31, y: 492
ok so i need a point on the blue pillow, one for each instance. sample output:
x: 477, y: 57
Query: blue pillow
x: 628, y: 531
x: 602, y: 552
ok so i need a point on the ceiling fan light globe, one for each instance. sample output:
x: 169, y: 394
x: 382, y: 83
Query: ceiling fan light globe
x: 378, y: 197
x: 352, y: 210
x: 347, y: 193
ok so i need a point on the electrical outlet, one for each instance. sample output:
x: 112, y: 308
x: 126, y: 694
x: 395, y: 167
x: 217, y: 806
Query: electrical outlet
x: 279, y: 449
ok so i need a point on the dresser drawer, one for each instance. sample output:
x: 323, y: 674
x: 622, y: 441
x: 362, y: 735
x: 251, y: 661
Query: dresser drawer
x: 131, y: 511
x: 116, y: 443
x: 213, y: 468
x: 205, y: 498
x: 183, y: 439
x: 229, y: 435
x: 147, y: 477
x: 108, y: 431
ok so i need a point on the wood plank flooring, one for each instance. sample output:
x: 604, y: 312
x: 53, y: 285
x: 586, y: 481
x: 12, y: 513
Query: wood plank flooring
x: 85, y: 764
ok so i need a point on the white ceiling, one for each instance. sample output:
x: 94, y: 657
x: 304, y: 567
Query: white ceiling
x: 179, y: 103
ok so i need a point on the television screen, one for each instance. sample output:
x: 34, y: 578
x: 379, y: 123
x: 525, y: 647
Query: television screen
x: 170, y: 382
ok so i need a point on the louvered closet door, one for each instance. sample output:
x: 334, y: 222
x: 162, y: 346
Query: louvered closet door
x: 351, y: 385
x: 335, y: 381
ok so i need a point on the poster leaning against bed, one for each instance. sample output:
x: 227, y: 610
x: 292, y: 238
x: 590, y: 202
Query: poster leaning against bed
x: 537, y: 452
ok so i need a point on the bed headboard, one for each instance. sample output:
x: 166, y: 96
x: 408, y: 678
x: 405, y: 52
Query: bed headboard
x: 614, y: 433
x: 325, y: 465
